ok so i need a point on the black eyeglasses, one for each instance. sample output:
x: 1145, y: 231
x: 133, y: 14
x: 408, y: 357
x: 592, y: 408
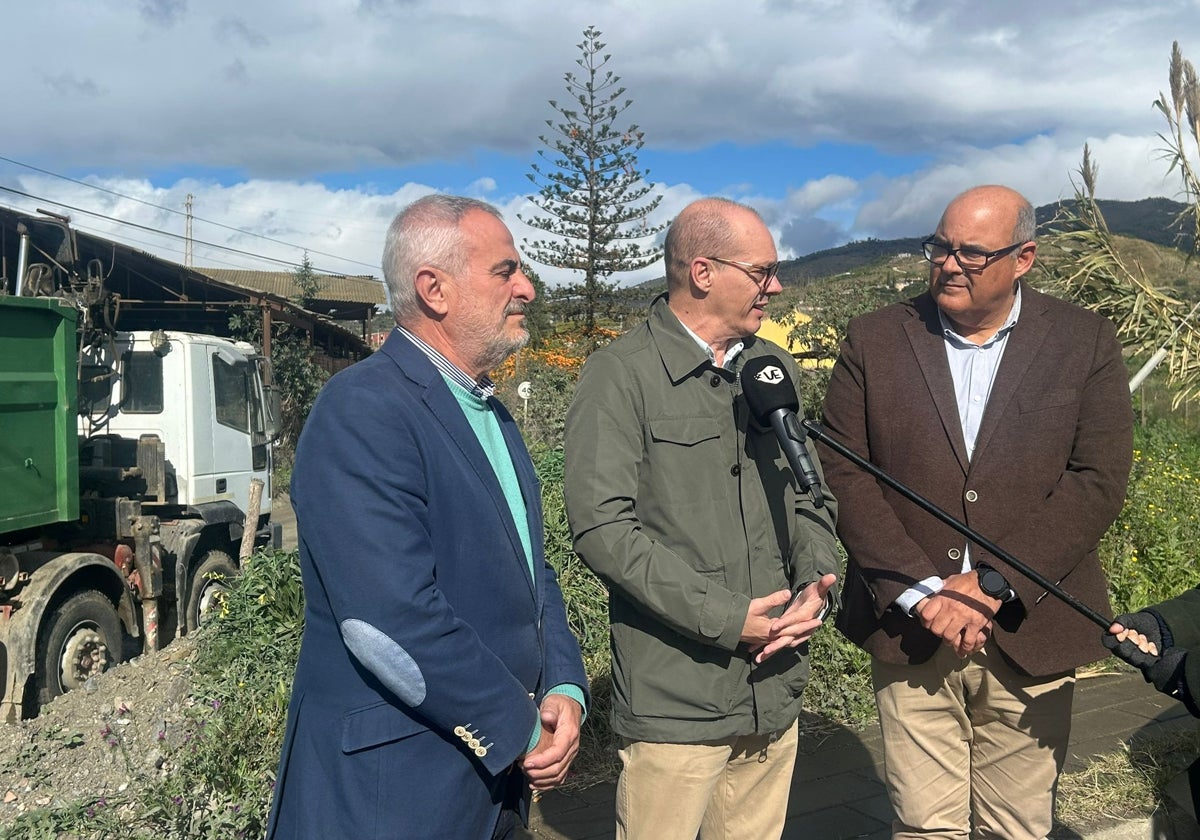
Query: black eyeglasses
x: 761, y: 275
x: 969, y: 259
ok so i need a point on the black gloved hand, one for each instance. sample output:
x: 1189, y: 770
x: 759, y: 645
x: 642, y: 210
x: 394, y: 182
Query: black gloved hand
x: 1164, y: 669
x: 1144, y: 623
x: 1167, y: 673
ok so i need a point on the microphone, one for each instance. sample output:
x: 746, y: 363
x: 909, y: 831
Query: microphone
x: 773, y: 402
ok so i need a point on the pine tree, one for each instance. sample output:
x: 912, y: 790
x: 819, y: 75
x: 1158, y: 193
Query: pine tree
x: 308, y: 284
x: 593, y: 199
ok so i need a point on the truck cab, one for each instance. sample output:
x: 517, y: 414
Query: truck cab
x: 203, y: 396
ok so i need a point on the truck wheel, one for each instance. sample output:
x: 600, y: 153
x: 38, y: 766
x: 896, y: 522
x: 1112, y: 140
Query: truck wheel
x: 79, y: 640
x: 208, y: 585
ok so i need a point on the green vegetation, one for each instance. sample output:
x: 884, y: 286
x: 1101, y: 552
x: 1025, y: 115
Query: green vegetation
x: 293, y: 372
x: 587, y: 613
x: 1150, y: 553
x: 846, y: 259
x: 308, y: 283
x: 223, y: 775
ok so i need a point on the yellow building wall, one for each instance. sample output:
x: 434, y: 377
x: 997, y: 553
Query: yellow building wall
x: 774, y: 331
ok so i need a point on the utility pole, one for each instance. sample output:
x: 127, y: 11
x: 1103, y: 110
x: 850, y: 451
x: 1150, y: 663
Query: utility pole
x: 187, y: 233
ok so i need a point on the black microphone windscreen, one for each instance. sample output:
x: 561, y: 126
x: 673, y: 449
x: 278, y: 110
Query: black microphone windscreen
x: 768, y: 388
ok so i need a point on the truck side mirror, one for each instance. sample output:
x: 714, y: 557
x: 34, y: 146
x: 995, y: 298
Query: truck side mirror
x: 272, y: 403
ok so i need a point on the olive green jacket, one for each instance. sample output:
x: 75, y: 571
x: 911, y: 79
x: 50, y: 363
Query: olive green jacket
x: 686, y: 510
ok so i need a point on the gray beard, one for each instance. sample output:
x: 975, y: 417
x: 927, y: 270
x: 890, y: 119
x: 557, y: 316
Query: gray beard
x: 500, y: 348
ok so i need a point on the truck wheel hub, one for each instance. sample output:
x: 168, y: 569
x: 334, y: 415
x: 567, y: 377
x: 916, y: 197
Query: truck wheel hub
x: 84, y: 656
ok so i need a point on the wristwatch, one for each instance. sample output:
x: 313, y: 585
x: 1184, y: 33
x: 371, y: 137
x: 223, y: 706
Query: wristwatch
x: 994, y: 585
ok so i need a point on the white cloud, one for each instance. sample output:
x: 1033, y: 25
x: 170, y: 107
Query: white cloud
x: 1041, y: 168
x: 829, y: 191
x: 295, y: 120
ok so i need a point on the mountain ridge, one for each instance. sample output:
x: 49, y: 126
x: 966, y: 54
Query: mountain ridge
x: 1152, y: 219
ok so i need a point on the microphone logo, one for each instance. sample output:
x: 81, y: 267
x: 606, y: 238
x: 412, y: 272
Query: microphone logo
x: 770, y: 375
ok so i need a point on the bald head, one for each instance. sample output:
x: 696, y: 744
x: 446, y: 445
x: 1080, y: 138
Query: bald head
x: 703, y: 228
x: 997, y: 201
x: 992, y: 229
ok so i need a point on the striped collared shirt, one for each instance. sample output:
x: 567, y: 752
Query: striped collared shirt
x: 483, y: 389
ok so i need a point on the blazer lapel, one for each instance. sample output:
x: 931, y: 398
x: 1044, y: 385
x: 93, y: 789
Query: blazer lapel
x: 1022, y: 348
x: 928, y: 345
x: 531, y: 489
x: 446, y: 410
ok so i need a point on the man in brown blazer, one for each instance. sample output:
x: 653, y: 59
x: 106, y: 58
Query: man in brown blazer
x: 1010, y: 410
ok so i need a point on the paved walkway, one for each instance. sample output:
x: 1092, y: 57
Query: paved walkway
x: 837, y: 792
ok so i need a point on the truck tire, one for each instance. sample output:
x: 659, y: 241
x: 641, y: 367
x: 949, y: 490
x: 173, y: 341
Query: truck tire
x: 209, y: 582
x: 80, y: 639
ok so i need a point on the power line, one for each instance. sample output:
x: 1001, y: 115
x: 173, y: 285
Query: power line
x: 177, y: 212
x: 169, y: 234
x: 159, y: 247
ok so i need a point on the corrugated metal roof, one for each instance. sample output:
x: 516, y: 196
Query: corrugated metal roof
x: 156, y: 293
x: 332, y: 287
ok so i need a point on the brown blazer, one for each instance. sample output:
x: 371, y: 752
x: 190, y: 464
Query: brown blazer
x: 1048, y: 476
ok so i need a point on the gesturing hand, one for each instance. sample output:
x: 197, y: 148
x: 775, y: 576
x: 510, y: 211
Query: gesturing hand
x: 798, y: 623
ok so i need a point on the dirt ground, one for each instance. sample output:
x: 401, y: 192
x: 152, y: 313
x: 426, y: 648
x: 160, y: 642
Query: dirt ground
x: 114, y: 733
x: 103, y: 739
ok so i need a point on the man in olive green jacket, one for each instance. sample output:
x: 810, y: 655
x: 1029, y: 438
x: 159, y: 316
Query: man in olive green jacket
x: 686, y: 509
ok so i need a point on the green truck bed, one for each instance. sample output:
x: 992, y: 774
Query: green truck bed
x: 39, y: 447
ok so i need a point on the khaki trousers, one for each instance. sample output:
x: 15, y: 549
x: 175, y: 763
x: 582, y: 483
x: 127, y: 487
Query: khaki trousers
x: 734, y: 789
x: 971, y: 741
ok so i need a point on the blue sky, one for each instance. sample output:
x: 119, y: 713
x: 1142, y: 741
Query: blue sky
x: 308, y: 124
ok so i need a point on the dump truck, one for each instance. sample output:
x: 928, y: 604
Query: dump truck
x: 127, y: 465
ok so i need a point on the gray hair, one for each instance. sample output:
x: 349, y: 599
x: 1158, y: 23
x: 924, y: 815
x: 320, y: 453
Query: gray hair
x: 701, y: 229
x: 1026, y: 227
x: 426, y: 232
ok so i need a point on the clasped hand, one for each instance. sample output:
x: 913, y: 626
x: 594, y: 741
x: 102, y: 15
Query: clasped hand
x: 547, y: 763
x: 960, y: 614
x: 767, y: 636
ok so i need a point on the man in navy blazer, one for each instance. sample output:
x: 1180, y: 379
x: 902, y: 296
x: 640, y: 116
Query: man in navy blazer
x: 438, y: 681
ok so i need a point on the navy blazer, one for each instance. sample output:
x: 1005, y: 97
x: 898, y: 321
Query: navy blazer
x: 427, y: 644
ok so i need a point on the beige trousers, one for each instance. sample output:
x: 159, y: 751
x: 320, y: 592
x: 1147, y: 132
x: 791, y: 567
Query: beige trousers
x: 734, y: 789
x: 971, y: 742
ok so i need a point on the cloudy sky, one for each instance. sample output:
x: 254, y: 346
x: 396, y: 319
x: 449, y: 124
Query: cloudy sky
x: 307, y: 124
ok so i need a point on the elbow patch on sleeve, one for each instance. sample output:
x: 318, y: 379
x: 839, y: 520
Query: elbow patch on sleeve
x: 392, y: 664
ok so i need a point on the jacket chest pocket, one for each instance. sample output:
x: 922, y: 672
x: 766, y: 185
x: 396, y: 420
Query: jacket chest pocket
x: 684, y: 431
x: 682, y: 455
x: 1060, y: 398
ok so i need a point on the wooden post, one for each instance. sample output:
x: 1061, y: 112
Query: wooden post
x: 251, y: 523
x: 267, y: 327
